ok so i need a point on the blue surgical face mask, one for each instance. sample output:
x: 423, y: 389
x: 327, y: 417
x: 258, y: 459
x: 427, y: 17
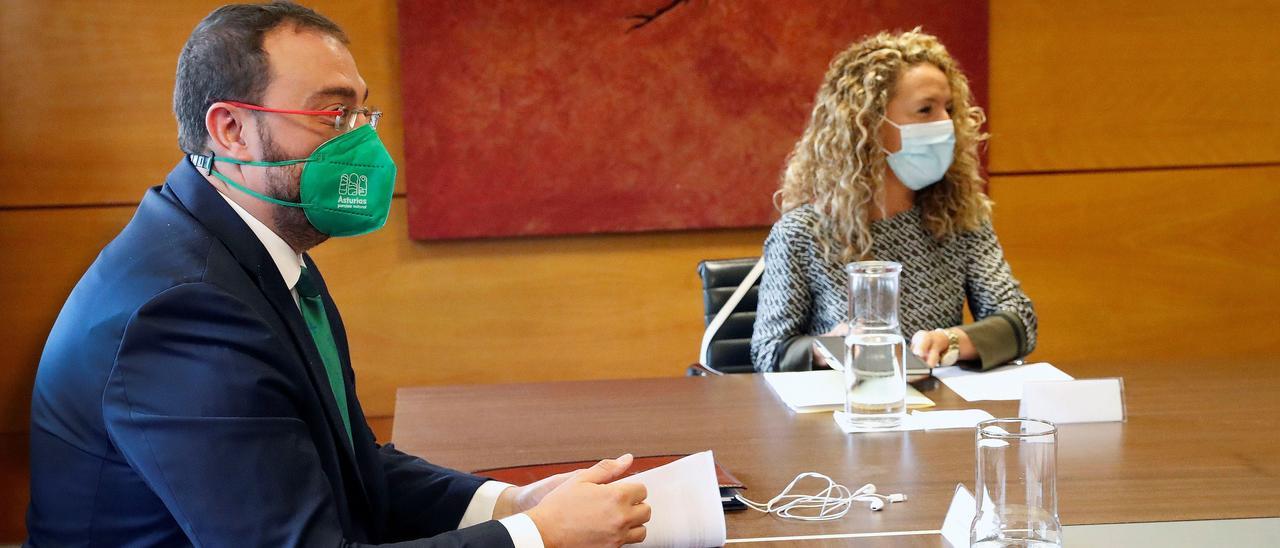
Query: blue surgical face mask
x: 926, y: 154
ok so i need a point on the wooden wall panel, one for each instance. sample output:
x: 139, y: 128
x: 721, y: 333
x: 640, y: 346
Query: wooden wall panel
x: 1137, y: 263
x: 486, y: 311
x: 581, y: 307
x: 1122, y: 84
x: 16, y: 486
x: 90, y: 91
x: 1150, y: 266
x: 45, y: 252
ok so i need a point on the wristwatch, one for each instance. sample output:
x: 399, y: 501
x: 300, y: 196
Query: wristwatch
x: 953, y: 348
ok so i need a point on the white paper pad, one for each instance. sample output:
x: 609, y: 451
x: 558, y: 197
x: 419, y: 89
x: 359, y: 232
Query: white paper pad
x: 1001, y: 383
x: 925, y: 420
x: 685, y: 498
x: 816, y: 391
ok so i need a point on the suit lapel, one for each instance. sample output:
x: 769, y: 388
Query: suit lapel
x: 207, y: 206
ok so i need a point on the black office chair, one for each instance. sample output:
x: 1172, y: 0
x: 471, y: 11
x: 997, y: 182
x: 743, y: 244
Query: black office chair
x: 730, y: 348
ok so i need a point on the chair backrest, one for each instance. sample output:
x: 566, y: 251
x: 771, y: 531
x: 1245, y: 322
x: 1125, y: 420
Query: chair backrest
x: 730, y: 349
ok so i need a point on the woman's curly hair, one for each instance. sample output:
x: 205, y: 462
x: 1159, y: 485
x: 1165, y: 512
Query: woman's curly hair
x: 838, y: 164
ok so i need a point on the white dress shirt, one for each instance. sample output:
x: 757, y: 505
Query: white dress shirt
x: 524, y: 534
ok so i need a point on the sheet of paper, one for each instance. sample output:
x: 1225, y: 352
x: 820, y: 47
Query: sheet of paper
x: 817, y: 391
x: 1083, y: 400
x: 955, y: 527
x: 1001, y: 383
x: 924, y: 420
x: 685, y: 499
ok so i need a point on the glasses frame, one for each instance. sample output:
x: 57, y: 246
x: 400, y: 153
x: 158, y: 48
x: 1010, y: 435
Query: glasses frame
x: 342, y: 116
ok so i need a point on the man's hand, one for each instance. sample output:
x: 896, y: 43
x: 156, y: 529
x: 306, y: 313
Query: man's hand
x: 581, y: 511
x: 514, y: 500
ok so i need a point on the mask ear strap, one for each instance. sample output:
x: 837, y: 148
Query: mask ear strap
x: 205, y: 164
x: 886, y: 151
x: 254, y: 193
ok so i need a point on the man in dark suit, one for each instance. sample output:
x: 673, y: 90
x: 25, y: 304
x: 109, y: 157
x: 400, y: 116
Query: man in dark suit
x: 196, y: 388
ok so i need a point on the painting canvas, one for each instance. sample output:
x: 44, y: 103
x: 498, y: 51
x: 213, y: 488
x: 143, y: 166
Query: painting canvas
x: 538, y: 117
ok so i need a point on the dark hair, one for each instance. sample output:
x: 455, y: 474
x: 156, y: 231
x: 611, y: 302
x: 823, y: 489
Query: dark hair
x: 223, y: 60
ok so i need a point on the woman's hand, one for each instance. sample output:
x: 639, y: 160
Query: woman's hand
x: 931, y: 346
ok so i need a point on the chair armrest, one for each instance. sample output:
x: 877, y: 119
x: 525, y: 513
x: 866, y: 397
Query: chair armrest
x: 699, y: 370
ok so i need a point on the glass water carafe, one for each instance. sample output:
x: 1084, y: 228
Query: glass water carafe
x: 875, y: 355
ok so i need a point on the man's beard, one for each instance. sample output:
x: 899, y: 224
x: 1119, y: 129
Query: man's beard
x: 284, y: 183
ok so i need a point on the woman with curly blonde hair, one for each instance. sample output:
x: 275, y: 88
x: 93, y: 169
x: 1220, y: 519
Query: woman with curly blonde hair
x: 888, y: 169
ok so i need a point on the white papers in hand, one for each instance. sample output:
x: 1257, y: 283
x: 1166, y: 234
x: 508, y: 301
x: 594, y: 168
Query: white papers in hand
x: 816, y: 391
x: 685, y: 498
x: 925, y: 420
x: 1001, y: 383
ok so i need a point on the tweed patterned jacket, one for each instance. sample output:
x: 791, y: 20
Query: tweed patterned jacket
x: 803, y: 295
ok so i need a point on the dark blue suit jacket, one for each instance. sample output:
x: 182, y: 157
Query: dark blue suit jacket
x: 181, y: 401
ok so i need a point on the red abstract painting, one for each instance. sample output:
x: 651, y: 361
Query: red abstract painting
x: 540, y: 117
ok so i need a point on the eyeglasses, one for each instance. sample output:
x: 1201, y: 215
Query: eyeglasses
x: 344, y: 119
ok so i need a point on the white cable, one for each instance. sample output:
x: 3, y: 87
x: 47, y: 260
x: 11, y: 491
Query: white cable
x: 832, y: 502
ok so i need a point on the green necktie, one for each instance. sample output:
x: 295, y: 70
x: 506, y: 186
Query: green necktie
x: 318, y: 322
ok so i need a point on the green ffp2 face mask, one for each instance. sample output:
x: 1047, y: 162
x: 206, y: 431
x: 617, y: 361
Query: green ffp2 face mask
x: 346, y: 184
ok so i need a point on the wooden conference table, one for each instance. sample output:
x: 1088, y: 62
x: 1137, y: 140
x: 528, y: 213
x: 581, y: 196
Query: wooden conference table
x: 1201, y: 442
